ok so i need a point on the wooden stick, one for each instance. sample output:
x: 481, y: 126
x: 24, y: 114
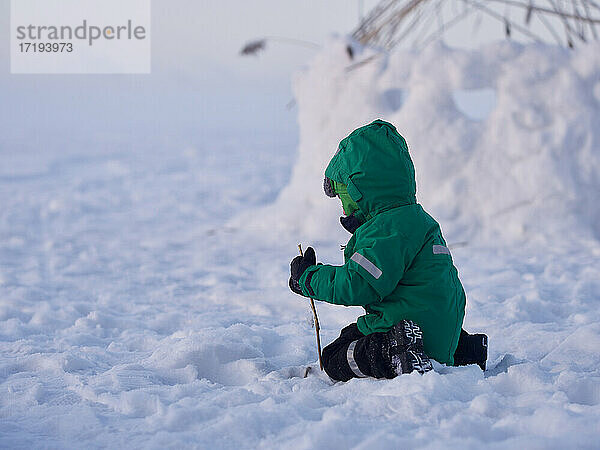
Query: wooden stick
x: 316, y: 318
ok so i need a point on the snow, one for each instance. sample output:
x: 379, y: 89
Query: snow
x: 537, y: 145
x: 143, y: 284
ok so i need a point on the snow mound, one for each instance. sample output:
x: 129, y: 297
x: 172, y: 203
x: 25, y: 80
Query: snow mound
x: 131, y: 316
x: 523, y: 163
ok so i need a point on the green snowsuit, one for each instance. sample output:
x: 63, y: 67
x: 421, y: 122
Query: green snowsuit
x: 397, y: 265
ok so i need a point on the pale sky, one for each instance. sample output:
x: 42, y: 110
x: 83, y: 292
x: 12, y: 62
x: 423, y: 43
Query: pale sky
x: 197, y: 73
x: 191, y: 35
x: 195, y: 47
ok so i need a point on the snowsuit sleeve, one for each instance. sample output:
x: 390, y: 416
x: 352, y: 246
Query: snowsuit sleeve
x: 371, y: 272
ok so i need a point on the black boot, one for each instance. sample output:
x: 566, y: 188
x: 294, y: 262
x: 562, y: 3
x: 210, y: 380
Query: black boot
x: 406, y: 348
x: 471, y: 349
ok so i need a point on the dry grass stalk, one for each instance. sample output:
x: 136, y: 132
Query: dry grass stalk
x: 419, y: 22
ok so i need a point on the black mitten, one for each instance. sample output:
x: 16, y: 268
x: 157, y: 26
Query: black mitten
x: 298, y: 266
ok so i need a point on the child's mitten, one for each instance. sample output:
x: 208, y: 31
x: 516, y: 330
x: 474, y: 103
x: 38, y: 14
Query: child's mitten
x: 297, y: 267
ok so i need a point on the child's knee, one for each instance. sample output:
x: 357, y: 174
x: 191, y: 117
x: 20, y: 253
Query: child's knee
x: 335, y: 364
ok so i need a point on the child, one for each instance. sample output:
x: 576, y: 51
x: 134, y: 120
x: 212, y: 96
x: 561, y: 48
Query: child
x: 397, y: 267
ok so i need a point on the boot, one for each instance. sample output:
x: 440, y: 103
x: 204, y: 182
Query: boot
x: 406, y: 352
x: 471, y: 349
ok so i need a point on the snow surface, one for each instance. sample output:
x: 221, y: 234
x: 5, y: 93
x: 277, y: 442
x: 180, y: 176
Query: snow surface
x: 143, y: 287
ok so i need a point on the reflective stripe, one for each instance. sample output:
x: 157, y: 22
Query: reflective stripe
x: 352, y: 362
x: 367, y: 265
x: 440, y: 250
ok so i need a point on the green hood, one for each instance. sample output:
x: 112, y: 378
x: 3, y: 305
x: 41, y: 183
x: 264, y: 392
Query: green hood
x: 375, y: 164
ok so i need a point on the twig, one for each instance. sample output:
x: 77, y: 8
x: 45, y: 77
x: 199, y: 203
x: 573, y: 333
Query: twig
x: 411, y: 22
x: 317, y: 326
x: 557, y: 11
x: 258, y: 45
x: 501, y: 18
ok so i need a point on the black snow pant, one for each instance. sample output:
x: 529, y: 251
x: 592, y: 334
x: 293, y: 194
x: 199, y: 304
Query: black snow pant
x: 354, y: 355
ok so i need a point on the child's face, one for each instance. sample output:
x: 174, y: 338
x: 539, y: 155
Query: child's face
x: 348, y: 205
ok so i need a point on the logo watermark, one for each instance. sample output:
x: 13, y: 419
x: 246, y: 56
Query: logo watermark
x: 80, y: 36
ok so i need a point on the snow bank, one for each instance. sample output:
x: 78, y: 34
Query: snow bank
x: 131, y: 316
x: 528, y: 168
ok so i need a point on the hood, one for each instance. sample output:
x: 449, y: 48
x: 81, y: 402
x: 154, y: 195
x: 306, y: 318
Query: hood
x: 374, y: 163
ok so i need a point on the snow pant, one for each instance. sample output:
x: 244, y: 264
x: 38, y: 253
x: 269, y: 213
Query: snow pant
x: 354, y: 355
